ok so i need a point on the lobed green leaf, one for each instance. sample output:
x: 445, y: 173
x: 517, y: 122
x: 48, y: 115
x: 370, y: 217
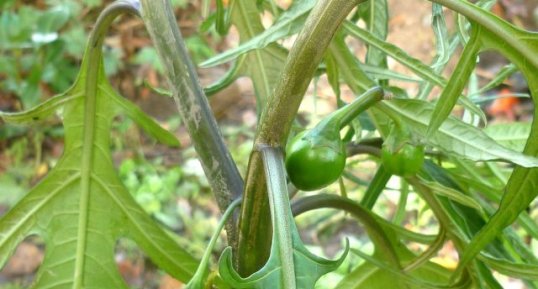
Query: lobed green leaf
x: 81, y: 208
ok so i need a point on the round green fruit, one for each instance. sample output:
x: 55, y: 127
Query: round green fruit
x: 405, y: 162
x: 314, y: 161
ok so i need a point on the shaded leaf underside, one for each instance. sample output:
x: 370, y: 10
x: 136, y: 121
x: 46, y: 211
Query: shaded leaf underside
x: 81, y: 209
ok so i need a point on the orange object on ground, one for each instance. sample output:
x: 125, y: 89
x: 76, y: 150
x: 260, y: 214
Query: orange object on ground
x: 504, y: 106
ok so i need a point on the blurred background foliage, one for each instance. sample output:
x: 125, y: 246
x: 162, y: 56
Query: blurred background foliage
x: 41, y: 45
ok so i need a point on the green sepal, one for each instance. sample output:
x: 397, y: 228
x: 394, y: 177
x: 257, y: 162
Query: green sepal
x: 308, y: 267
x: 281, y: 271
x: 398, y: 136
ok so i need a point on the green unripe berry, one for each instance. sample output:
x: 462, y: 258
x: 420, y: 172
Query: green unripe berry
x: 316, y: 158
x: 404, y: 162
x: 314, y: 162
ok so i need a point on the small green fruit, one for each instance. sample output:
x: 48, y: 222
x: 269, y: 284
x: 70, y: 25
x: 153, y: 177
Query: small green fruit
x: 316, y: 158
x: 314, y: 161
x: 405, y: 162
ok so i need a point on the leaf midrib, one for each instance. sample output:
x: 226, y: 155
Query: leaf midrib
x: 93, y: 73
x: 450, y: 133
x: 258, y: 57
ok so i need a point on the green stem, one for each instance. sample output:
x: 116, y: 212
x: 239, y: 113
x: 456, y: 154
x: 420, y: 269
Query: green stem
x: 349, y: 68
x: 353, y: 149
x: 399, y: 215
x: 445, y: 221
x: 376, y: 233
x: 280, y: 210
x: 344, y: 115
x: 303, y: 60
x: 360, y: 104
x: 202, y: 268
x: 378, y: 183
x: 317, y: 202
x: 229, y: 77
x: 106, y: 17
x: 193, y: 106
x: 215, y: 236
x: 275, y: 123
x: 398, y: 123
x: 428, y: 254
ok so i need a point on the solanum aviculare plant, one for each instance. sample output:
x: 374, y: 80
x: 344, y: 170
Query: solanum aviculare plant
x: 454, y: 167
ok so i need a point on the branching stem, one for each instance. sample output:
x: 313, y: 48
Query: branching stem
x: 376, y: 233
x: 193, y: 106
x: 275, y: 123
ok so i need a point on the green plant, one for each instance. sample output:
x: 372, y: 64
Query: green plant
x: 41, y: 49
x: 316, y: 158
x: 81, y: 207
x: 11, y: 286
x: 399, y: 156
x: 406, y: 161
x: 313, y: 161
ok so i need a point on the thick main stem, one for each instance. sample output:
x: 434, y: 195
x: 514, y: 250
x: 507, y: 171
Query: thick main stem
x: 275, y: 123
x: 193, y: 106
